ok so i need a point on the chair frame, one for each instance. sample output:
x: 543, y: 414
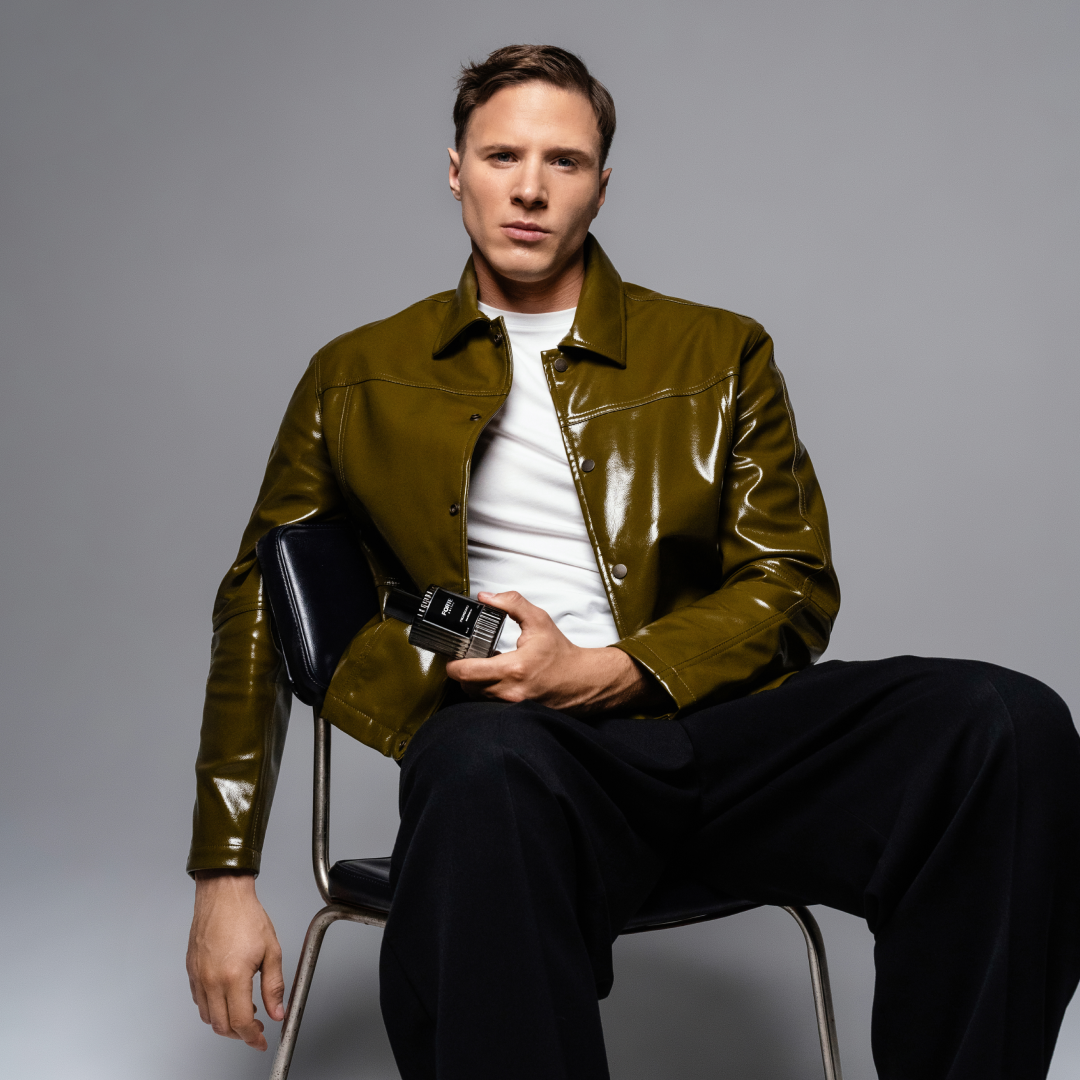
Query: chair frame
x: 334, y: 912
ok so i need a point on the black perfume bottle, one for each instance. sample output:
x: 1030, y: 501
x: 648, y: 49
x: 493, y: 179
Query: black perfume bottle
x: 448, y: 623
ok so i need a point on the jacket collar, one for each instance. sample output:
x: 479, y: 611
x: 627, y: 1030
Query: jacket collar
x: 599, y: 323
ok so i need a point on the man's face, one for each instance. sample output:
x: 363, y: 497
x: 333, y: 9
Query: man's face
x: 528, y: 179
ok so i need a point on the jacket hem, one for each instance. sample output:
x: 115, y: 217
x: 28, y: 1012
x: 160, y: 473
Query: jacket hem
x: 363, y: 728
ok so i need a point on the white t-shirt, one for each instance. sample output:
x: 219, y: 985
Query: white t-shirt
x: 526, y: 531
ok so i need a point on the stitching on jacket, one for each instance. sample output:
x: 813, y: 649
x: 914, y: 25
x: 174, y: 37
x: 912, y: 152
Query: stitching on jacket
x: 667, y: 669
x: 586, y: 513
x: 678, y: 675
x: 823, y: 611
x: 781, y: 616
x: 463, y: 528
x: 661, y: 298
x: 389, y: 734
x: 727, y: 643
x: 358, y: 712
x: 229, y: 613
x: 340, y: 470
x: 689, y: 391
x: 380, y: 377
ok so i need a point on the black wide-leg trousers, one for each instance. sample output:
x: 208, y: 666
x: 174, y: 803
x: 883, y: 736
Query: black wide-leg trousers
x: 937, y: 799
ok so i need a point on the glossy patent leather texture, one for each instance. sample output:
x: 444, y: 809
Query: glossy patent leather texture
x: 704, y: 513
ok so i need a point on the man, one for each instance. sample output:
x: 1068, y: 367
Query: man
x: 620, y: 472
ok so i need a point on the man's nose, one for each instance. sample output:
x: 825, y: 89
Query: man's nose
x: 530, y: 191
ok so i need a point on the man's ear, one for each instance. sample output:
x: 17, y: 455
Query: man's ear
x: 604, y: 177
x: 455, y: 172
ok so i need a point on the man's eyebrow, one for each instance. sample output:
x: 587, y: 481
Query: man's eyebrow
x: 554, y: 151
x: 498, y: 148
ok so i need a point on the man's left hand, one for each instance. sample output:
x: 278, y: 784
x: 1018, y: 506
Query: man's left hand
x: 549, y: 668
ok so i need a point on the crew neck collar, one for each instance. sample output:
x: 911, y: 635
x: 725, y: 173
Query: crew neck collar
x: 531, y: 320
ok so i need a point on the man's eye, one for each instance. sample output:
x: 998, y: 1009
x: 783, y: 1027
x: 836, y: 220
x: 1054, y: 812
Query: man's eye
x: 564, y: 162
x: 504, y: 156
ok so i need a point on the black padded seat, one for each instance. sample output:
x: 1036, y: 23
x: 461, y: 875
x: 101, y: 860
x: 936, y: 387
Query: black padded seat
x: 677, y: 901
x: 674, y: 902
x: 361, y: 883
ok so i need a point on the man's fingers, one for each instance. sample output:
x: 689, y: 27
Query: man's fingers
x: 242, y: 1016
x: 198, y: 995
x: 217, y: 1008
x: 480, y: 672
x: 272, y: 984
x: 516, y: 606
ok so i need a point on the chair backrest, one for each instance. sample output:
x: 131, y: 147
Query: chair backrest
x: 321, y: 594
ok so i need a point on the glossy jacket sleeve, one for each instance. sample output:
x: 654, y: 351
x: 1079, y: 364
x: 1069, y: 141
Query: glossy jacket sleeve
x: 779, y: 596
x: 246, y: 713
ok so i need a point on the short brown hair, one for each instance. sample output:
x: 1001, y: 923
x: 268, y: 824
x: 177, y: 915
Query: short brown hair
x: 527, y: 63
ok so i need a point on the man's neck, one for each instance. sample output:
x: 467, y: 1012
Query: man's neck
x: 559, y: 292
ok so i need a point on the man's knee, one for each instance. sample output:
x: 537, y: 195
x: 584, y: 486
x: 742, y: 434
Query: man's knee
x: 1040, y: 720
x: 1001, y: 707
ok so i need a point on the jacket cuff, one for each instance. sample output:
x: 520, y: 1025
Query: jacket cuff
x: 224, y: 858
x: 664, y: 675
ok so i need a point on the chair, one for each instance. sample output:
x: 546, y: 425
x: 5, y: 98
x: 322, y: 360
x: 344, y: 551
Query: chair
x: 321, y: 593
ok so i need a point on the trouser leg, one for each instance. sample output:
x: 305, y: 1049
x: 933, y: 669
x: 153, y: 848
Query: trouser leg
x: 527, y: 839
x: 941, y: 801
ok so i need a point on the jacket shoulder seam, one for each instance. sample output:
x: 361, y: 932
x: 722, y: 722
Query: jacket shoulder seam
x: 639, y: 294
x: 660, y: 297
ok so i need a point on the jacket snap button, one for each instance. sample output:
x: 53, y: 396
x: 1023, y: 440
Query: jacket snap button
x: 618, y: 571
x: 454, y: 508
x: 588, y: 465
x: 496, y: 336
x: 401, y: 745
x: 561, y: 364
x: 475, y: 416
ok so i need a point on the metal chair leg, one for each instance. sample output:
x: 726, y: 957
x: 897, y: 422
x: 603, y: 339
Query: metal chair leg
x: 305, y: 969
x: 819, y: 978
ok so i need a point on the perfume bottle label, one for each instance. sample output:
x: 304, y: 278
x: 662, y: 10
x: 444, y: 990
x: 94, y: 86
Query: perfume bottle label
x: 452, y: 612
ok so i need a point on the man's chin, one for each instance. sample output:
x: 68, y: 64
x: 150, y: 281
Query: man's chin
x: 525, y: 265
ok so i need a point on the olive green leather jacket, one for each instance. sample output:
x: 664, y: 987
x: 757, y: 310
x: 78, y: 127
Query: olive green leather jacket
x: 701, y: 491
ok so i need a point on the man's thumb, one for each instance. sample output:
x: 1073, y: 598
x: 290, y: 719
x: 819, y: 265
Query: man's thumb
x: 272, y: 984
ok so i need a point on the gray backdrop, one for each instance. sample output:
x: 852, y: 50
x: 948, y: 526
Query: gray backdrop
x: 197, y: 195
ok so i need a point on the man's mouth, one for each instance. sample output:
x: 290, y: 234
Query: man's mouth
x: 524, y: 230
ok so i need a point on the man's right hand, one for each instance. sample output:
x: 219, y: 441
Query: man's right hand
x: 231, y: 939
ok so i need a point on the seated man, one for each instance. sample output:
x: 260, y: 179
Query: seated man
x: 620, y: 472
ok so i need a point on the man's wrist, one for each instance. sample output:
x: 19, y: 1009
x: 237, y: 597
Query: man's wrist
x: 643, y: 689
x: 223, y: 876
